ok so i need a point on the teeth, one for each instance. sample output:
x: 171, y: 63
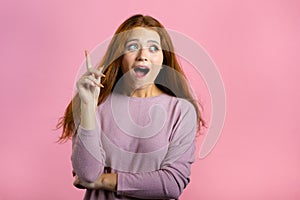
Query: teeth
x: 142, y: 67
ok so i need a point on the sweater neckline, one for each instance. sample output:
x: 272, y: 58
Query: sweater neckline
x: 142, y: 98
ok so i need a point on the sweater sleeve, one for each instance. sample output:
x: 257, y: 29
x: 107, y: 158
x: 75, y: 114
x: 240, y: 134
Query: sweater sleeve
x: 88, y: 156
x: 169, y: 181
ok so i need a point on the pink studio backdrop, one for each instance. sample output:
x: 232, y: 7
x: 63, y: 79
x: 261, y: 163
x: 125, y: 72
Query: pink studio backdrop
x: 255, y: 45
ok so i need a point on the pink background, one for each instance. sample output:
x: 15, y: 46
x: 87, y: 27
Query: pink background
x: 255, y: 45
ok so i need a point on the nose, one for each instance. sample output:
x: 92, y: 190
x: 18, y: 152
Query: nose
x: 142, y: 55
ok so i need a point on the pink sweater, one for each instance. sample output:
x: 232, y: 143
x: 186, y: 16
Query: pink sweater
x: 148, y: 142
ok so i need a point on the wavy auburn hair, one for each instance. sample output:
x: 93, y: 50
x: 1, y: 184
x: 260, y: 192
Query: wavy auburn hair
x: 112, y: 60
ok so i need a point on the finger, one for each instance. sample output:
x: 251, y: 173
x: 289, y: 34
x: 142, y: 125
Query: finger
x: 88, y: 83
x: 77, y: 184
x: 93, y: 78
x: 96, y: 81
x: 88, y: 60
x: 96, y: 72
x: 87, y: 185
x: 101, y: 75
x: 101, y: 70
x: 99, y: 85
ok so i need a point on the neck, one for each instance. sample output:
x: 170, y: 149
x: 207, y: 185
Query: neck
x: 147, y: 91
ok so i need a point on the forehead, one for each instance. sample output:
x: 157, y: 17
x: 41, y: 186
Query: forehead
x: 144, y: 34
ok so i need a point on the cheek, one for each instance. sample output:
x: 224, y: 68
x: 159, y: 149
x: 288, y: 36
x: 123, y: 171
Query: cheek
x: 158, y: 60
x: 126, y: 63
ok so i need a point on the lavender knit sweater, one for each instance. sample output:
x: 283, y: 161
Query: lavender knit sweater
x: 148, y: 142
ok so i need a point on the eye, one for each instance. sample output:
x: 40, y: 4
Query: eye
x: 132, y: 47
x: 154, y: 48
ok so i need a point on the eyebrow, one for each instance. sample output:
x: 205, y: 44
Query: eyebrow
x: 149, y: 41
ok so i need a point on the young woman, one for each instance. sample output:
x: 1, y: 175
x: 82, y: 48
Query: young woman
x: 133, y: 122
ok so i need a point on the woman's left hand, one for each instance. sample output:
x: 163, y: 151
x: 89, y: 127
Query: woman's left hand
x: 104, y: 182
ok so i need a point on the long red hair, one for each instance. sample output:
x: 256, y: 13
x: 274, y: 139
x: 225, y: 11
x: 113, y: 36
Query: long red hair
x: 112, y: 60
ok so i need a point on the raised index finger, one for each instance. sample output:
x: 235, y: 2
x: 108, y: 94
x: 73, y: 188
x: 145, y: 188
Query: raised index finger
x: 88, y: 60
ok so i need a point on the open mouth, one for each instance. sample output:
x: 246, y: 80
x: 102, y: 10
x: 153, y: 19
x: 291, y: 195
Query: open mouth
x: 141, y: 71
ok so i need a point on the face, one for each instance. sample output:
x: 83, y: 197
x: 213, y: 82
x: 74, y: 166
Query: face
x: 143, y: 57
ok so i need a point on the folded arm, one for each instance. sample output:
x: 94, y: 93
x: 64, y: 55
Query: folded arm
x: 88, y: 156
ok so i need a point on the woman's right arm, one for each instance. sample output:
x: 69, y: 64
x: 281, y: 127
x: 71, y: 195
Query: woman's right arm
x: 88, y: 156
